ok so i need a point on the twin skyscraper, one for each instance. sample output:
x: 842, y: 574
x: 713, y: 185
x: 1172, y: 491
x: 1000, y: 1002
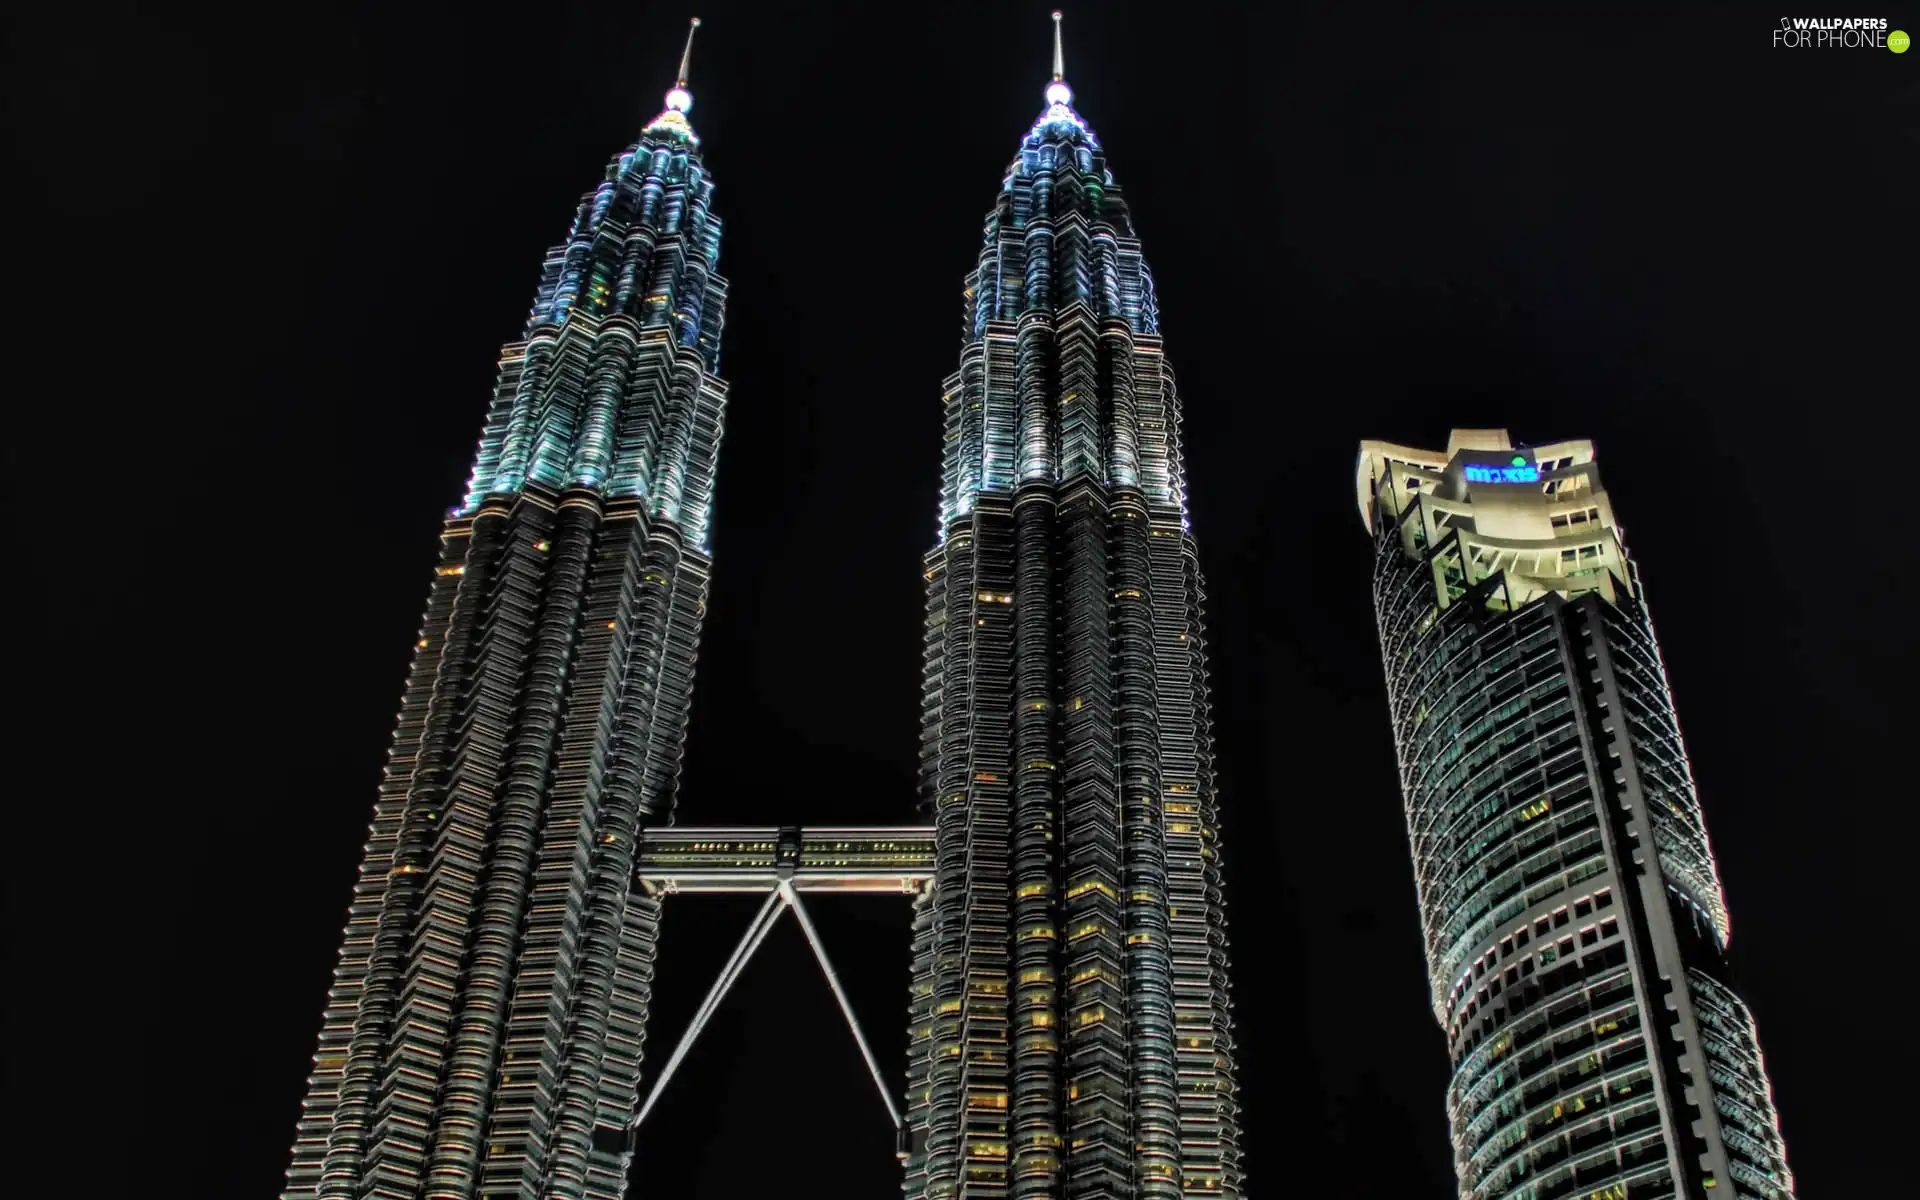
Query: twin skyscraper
x: 1070, y: 1028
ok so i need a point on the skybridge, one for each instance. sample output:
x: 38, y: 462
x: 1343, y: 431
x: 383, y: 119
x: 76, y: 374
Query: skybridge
x: 865, y: 858
x: 785, y: 863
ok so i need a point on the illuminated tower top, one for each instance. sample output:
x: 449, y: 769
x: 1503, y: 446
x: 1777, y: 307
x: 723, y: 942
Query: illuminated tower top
x: 1516, y: 507
x: 631, y: 304
x: 1060, y: 245
x: 679, y: 100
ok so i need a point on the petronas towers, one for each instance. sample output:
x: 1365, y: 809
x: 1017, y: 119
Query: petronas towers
x: 1070, y: 1026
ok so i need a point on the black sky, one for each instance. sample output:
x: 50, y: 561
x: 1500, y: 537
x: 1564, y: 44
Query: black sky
x: 271, y: 260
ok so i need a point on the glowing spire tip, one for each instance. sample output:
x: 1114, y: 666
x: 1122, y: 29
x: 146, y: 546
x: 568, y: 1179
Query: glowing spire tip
x: 679, y: 99
x: 1058, y: 92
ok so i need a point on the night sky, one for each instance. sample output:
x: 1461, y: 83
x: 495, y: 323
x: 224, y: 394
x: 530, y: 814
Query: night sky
x: 273, y: 256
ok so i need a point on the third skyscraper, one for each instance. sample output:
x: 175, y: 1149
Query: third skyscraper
x: 1575, y: 928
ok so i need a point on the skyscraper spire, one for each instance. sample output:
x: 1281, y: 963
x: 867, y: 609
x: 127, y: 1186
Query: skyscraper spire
x: 673, y: 118
x: 686, y: 56
x: 1058, y: 92
x: 680, y: 99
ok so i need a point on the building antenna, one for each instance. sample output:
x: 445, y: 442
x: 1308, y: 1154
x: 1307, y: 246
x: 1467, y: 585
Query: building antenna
x: 680, y: 99
x: 686, y: 56
x: 1058, y: 92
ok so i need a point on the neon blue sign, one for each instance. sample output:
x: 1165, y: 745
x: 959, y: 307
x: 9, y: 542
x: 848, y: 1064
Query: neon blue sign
x: 1520, y: 472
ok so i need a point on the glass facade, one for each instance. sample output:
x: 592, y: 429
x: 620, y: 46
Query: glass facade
x: 1071, y: 1029
x: 484, y: 1029
x: 1575, y: 928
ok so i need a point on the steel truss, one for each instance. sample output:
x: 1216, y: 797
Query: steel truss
x: 783, y: 863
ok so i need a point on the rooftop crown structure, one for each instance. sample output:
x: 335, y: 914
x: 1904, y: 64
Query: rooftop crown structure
x: 1072, y: 1031
x: 1574, y: 921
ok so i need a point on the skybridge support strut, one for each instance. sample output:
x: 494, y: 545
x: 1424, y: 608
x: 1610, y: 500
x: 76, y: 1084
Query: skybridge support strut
x: 782, y: 862
x: 846, y: 1007
x: 749, y: 942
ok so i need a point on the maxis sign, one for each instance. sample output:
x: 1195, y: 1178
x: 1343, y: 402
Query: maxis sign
x: 1518, y: 471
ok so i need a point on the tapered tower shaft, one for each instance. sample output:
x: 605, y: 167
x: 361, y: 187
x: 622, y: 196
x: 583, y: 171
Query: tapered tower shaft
x: 484, y: 1031
x: 1071, y: 1027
